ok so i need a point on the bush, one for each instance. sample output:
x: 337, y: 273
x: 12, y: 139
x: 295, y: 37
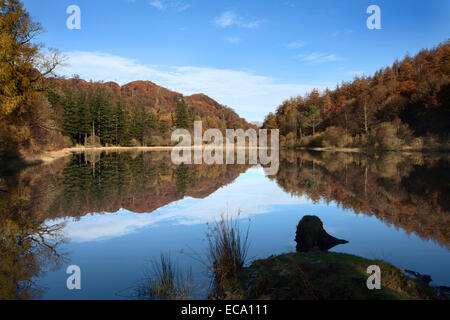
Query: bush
x: 417, y: 144
x: 135, y: 143
x: 405, y: 133
x: 334, y: 137
x: 386, y: 137
x: 93, y: 141
x: 290, y: 140
x: 311, y: 141
x: 361, y: 141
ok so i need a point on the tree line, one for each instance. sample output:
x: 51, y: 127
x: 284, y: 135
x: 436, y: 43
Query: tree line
x: 404, y: 104
x: 94, y: 116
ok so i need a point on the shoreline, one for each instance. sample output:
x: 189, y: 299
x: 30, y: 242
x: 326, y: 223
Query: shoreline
x: 300, y: 276
x: 50, y: 156
x: 362, y: 150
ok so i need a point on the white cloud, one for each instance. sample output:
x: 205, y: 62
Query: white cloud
x: 318, y: 58
x: 295, y: 44
x: 175, y: 5
x: 228, y: 19
x: 251, y: 95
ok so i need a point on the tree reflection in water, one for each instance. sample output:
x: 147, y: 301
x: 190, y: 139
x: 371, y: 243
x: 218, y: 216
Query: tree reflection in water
x: 409, y: 191
x: 29, y: 247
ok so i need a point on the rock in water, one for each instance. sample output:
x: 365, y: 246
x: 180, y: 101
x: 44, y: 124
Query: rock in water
x: 311, y: 234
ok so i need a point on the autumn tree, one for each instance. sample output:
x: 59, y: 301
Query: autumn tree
x: 22, y: 67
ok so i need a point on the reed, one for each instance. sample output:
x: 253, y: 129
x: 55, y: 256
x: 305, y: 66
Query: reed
x: 227, y: 247
x: 165, y: 282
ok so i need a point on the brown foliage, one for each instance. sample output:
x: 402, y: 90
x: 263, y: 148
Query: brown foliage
x: 414, y: 91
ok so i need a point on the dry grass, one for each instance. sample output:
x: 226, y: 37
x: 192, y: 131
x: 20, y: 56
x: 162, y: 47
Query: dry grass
x: 227, y: 247
x: 164, y: 281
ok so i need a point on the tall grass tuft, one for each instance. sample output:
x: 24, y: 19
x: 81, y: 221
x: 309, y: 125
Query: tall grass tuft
x: 227, y: 247
x: 165, y: 282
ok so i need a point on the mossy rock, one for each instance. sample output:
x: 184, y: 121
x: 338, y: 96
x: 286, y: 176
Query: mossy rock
x: 321, y: 275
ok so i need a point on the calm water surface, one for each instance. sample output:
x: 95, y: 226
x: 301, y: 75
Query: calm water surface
x: 111, y: 214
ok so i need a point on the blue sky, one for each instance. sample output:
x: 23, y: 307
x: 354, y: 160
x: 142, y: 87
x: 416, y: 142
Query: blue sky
x: 250, y: 55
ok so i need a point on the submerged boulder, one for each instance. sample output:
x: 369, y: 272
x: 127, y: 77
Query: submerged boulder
x: 311, y: 234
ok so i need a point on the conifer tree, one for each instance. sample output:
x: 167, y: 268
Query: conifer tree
x: 182, y: 115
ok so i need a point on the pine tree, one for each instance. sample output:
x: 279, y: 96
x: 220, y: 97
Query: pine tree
x: 182, y: 115
x: 118, y: 123
x: 71, y: 120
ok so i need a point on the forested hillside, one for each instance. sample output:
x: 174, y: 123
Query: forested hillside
x: 406, y: 104
x: 40, y: 111
x: 139, y: 113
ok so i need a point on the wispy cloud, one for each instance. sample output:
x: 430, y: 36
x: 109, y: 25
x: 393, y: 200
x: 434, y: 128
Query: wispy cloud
x: 318, y: 58
x: 233, y: 40
x: 251, y: 95
x: 178, y: 6
x: 289, y: 4
x: 229, y: 18
x: 295, y: 44
x: 157, y: 4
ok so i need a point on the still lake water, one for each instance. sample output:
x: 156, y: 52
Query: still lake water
x: 112, y: 214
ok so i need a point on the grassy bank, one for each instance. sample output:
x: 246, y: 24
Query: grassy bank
x: 325, y: 275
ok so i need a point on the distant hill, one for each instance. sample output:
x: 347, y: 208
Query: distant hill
x: 140, y: 113
x: 158, y: 99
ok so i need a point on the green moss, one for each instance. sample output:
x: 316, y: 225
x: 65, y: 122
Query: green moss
x: 324, y: 275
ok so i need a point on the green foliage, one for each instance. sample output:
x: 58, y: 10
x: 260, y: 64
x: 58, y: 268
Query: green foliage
x: 183, y: 176
x: 163, y: 125
x: 311, y: 110
x: 182, y: 117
